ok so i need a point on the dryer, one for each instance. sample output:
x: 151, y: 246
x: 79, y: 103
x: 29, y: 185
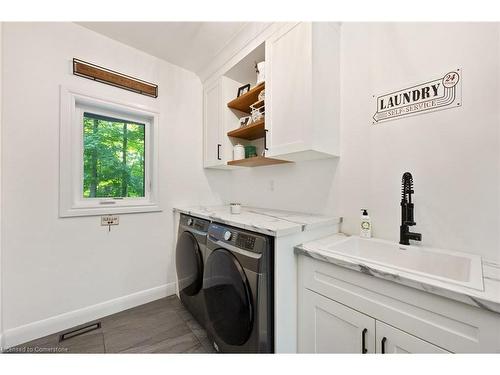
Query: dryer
x: 190, y: 256
x: 238, y: 290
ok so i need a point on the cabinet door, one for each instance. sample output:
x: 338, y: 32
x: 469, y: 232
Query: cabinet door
x: 288, y: 89
x: 212, y: 125
x: 326, y: 326
x: 391, y: 340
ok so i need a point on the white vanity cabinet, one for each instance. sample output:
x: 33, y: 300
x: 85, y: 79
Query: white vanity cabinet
x: 390, y: 340
x: 339, y: 307
x: 326, y: 326
x: 303, y: 91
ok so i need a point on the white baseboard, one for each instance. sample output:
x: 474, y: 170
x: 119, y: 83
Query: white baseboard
x: 54, y: 324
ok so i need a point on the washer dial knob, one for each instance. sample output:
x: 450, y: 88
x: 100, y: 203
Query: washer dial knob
x: 227, y: 235
x: 190, y: 222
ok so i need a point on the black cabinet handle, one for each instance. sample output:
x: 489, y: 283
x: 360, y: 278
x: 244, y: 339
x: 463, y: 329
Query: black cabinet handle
x: 218, y: 151
x: 265, y: 140
x: 363, y: 341
x: 383, y: 345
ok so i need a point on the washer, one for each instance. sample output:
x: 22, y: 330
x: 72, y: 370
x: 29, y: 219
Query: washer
x: 189, y: 261
x: 238, y: 290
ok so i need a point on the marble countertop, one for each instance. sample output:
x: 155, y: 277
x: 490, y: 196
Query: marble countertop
x: 488, y: 299
x: 275, y: 223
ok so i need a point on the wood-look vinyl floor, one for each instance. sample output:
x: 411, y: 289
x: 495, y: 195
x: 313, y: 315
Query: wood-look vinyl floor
x: 161, y: 326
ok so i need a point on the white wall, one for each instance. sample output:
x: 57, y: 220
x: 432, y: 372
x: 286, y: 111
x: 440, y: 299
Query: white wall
x: 306, y: 186
x: 52, y: 265
x: 453, y: 154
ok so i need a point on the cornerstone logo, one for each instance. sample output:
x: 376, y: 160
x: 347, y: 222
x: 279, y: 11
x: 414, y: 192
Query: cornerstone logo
x: 441, y: 93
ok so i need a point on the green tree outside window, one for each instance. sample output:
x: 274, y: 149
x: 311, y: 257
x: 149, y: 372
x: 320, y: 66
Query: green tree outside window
x: 113, y: 157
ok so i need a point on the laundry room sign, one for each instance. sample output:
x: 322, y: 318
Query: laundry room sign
x: 435, y: 95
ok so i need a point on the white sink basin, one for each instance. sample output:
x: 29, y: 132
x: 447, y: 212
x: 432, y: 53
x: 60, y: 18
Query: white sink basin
x: 443, y: 265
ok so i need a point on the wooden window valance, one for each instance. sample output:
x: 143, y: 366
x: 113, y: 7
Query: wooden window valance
x: 110, y: 77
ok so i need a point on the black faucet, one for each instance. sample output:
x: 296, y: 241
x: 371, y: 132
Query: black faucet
x: 407, y: 212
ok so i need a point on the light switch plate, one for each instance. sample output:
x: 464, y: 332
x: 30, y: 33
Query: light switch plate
x: 110, y: 220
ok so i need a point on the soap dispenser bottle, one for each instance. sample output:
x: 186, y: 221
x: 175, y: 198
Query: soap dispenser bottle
x: 366, y: 225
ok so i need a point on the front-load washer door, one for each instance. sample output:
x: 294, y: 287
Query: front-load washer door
x: 189, y: 264
x: 228, y: 298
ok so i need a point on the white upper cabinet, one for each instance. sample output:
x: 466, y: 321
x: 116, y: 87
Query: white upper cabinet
x: 302, y: 91
x: 212, y: 125
x: 302, y: 97
x: 218, y: 120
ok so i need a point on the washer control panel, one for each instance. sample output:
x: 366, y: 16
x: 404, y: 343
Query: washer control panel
x: 194, y: 223
x: 243, y: 240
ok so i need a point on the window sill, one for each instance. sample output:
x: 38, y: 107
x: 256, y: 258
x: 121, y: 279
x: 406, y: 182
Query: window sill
x: 107, y: 210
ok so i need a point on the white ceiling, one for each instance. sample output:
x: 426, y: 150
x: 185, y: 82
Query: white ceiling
x: 191, y: 45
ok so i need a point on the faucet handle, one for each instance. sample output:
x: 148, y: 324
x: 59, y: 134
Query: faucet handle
x: 415, y: 236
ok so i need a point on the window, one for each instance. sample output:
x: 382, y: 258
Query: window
x: 108, y: 157
x: 113, y: 157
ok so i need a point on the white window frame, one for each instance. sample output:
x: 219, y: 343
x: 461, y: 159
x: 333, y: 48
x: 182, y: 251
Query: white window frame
x: 74, y: 103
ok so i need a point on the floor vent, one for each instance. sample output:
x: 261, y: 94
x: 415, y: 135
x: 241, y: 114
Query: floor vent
x: 79, y: 331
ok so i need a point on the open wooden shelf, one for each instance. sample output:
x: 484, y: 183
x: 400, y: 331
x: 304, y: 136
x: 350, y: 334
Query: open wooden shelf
x: 256, y: 161
x: 258, y: 104
x: 250, y: 132
x: 242, y: 103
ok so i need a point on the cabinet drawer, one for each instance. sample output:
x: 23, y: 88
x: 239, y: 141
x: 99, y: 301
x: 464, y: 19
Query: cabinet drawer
x: 449, y: 324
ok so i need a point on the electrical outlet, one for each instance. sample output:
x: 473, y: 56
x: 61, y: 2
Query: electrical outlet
x: 110, y: 220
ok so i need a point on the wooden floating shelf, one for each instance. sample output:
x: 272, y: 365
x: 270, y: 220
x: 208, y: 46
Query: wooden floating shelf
x: 256, y: 161
x: 250, y: 132
x: 242, y: 103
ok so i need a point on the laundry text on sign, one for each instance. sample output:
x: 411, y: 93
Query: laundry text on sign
x: 441, y: 93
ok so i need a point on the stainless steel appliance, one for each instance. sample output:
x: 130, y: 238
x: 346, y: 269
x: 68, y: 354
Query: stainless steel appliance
x: 189, y: 260
x: 238, y: 290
